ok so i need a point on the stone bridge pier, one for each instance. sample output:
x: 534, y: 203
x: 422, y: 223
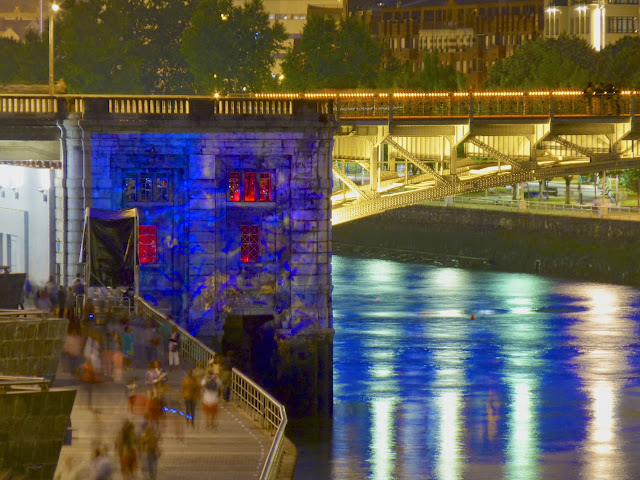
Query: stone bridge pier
x: 233, y: 202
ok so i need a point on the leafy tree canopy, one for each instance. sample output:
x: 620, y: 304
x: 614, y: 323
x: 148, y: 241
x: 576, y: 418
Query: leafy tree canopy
x: 230, y: 48
x: 563, y: 62
x: 619, y: 63
x: 332, y: 55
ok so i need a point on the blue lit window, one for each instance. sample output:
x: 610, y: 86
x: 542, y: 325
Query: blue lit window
x: 147, y: 186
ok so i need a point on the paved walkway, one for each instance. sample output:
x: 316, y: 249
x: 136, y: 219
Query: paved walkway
x: 234, y: 449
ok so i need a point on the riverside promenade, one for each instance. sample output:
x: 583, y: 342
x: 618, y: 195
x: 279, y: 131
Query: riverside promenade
x: 235, y: 449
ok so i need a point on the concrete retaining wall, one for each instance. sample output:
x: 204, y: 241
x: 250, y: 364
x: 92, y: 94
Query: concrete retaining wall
x: 579, y: 248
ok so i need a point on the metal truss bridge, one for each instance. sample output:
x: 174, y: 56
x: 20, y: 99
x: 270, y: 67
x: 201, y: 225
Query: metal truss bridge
x: 395, y: 150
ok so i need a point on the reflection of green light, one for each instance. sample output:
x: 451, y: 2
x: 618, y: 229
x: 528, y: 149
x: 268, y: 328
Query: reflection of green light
x: 521, y: 310
x: 520, y: 301
x: 450, y: 277
x: 383, y: 455
x: 523, y: 449
x: 449, y: 313
x: 449, y: 461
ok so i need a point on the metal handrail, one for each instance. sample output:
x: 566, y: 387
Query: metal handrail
x: 265, y: 410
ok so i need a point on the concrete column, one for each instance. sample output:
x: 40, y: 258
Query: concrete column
x: 70, y: 201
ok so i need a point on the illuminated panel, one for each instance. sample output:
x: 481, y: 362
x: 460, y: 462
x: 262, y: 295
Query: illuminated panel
x: 147, y: 244
x: 249, y: 243
x: 265, y: 187
x: 250, y: 187
x: 234, y: 187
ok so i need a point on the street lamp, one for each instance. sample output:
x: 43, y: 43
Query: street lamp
x: 54, y: 8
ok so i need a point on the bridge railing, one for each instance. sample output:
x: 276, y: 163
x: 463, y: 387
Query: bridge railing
x: 612, y: 212
x: 266, y: 411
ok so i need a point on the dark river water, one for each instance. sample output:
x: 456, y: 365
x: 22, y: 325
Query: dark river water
x: 453, y: 374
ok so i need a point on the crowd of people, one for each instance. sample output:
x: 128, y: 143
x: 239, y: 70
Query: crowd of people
x: 112, y: 346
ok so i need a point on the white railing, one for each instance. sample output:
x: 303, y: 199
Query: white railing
x: 266, y: 411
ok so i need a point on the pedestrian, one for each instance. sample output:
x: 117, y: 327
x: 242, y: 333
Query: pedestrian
x: 127, y: 347
x: 101, y: 466
x: 87, y: 375
x: 126, y: 446
x: 210, y: 399
x: 71, y: 470
x: 42, y: 300
x: 190, y: 393
x: 118, y: 357
x: 150, y: 448
x: 159, y: 380
x: 70, y: 304
x: 62, y: 301
x: 174, y: 349
x: 148, y: 341
x: 72, y: 348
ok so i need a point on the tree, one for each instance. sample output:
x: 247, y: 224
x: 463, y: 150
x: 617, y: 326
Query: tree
x: 434, y: 76
x: 564, y: 62
x: 332, y: 55
x: 619, y: 63
x: 95, y: 48
x: 229, y: 48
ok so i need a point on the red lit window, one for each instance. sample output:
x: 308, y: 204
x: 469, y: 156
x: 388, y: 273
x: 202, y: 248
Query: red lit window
x: 249, y: 243
x: 265, y: 187
x: 250, y: 187
x: 147, y: 244
x: 234, y: 187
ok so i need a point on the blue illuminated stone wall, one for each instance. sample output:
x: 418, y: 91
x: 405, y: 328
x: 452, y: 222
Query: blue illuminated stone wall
x: 199, y: 276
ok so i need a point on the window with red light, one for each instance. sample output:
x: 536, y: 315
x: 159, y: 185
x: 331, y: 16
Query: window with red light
x: 147, y: 244
x: 249, y: 243
x: 265, y: 187
x: 234, y: 187
x: 250, y: 187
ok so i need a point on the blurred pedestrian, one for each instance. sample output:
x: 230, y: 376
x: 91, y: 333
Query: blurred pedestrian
x: 210, y: 399
x: 70, y: 469
x: 174, y: 349
x: 150, y: 448
x: 101, y: 466
x: 61, y: 300
x: 190, y: 393
x: 126, y: 446
x: 127, y: 347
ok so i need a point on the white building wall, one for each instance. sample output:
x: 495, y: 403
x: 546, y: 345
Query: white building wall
x: 26, y: 238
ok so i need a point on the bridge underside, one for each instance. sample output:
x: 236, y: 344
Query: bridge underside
x: 386, y: 166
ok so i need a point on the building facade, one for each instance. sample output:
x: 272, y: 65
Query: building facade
x: 471, y: 37
x: 599, y: 23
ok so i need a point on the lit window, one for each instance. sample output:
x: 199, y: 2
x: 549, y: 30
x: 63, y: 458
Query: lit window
x: 265, y: 187
x: 130, y: 187
x: 146, y: 187
x: 147, y: 244
x: 161, y: 193
x: 249, y: 243
x: 249, y: 187
x: 234, y: 187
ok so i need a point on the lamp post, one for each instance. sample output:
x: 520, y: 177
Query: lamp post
x: 52, y: 10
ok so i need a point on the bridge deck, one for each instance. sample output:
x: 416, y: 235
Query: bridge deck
x: 234, y: 449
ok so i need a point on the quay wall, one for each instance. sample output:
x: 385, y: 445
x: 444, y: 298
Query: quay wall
x: 590, y: 249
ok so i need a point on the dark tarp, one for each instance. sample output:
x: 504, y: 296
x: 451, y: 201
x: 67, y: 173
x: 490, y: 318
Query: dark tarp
x: 11, y: 285
x: 110, y: 246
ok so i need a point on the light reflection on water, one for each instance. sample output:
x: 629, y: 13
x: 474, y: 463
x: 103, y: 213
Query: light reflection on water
x: 541, y: 383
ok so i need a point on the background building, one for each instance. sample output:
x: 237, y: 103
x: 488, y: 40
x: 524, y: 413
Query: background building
x: 600, y: 23
x: 471, y: 37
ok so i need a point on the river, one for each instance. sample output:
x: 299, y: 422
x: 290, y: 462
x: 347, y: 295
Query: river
x: 444, y: 373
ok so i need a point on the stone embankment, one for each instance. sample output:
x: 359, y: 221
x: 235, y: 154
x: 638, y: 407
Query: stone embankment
x: 590, y: 249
